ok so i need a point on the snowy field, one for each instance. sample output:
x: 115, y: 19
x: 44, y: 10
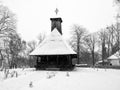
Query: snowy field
x: 80, y: 79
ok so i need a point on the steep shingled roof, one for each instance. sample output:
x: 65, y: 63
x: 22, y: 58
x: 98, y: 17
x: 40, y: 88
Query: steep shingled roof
x: 53, y: 45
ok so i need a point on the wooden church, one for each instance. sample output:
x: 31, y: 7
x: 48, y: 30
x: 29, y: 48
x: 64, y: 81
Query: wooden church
x: 54, y: 52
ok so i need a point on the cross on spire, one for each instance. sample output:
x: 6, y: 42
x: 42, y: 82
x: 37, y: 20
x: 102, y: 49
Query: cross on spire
x: 56, y: 11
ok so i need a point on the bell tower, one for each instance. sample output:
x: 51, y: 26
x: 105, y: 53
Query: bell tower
x: 56, y: 23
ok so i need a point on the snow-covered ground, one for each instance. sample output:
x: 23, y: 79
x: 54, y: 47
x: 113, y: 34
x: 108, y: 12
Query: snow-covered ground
x: 80, y: 79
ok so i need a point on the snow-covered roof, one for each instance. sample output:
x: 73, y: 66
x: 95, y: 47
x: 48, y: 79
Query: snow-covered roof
x: 114, y: 56
x: 53, y: 45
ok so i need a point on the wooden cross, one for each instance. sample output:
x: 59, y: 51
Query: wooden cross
x: 56, y: 11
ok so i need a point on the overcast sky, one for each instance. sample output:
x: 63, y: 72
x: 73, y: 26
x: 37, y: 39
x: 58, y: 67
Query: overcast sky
x: 34, y: 15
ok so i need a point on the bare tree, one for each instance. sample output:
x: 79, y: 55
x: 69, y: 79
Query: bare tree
x: 117, y: 2
x: 15, y: 46
x: 90, y: 41
x: 31, y: 46
x: 102, y: 41
x: 41, y: 37
x: 76, y: 42
x: 110, y: 39
x: 24, y: 49
x: 7, y: 20
x: 7, y: 25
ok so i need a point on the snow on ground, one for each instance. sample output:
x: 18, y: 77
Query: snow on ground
x: 80, y: 79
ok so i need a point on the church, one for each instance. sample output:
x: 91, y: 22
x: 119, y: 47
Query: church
x: 54, y: 52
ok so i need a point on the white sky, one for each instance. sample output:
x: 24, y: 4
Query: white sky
x: 34, y: 15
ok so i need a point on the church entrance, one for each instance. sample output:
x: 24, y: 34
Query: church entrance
x: 52, y: 62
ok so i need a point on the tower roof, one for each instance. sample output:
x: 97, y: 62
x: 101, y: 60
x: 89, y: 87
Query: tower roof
x: 56, y: 19
x: 56, y: 23
x: 53, y: 45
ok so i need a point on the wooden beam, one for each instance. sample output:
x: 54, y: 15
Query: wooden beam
x: 57, y: 59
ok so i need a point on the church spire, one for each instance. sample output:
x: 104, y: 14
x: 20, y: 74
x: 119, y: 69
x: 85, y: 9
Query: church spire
x: 56, y: 23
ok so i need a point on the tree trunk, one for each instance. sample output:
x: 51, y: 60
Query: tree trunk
x: 93, y: 59
x: 1, y: 55
x: 103, y: 51
x: 78, y: 50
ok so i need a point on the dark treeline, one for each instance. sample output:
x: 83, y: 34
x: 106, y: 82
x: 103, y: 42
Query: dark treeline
x: 96, y: 46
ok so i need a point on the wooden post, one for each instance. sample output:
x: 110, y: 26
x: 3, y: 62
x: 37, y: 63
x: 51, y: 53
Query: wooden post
x: 37, y: 62
x: 47, y: 60
x: 70, y: 62
x: 67, y: 61
x: 70, y: 59
x: 37, y: 59
x: 57, y: 60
